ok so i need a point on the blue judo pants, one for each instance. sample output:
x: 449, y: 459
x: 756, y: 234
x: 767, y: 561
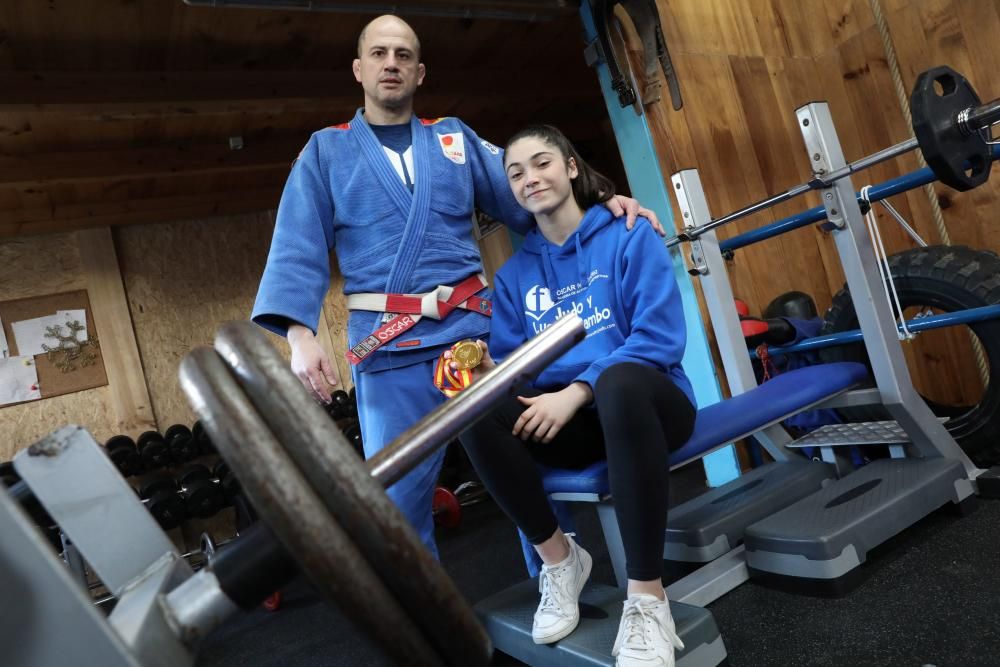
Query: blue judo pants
x: 389, y: 402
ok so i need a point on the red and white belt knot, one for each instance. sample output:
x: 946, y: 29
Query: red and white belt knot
x: 408, y: 309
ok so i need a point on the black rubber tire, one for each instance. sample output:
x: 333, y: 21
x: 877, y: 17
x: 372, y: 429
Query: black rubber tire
x: 947, y: 278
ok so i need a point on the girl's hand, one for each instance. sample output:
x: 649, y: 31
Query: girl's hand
x: 545, y: 415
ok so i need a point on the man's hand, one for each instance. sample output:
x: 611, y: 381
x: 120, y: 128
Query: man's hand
x: 311, y: 364
x: 620, y: 205
x: 546, y: 414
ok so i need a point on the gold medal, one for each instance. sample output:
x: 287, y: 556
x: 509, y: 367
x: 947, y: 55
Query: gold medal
x: 467, y: 354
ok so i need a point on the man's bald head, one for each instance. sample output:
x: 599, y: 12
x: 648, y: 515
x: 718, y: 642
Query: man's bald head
x: 389, y: 20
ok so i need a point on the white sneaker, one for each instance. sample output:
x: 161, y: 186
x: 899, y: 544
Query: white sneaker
x: 646, y: 636
x: 558, y: 611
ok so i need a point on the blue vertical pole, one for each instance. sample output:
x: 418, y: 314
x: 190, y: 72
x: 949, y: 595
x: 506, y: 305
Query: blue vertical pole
x: 635, y: 142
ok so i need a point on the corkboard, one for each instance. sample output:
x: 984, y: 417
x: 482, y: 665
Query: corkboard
x: 52, y: 381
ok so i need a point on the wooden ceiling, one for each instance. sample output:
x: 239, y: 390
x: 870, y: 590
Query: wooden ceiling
x: 117, y: 112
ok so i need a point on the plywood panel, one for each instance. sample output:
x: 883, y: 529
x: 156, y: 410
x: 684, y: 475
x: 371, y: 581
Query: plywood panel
x: 183, y: 280
x: 24, y: 424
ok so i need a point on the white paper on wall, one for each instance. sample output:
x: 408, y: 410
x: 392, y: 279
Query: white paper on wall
x: 18, y: 380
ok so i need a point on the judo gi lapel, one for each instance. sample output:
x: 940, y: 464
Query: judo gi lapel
x: 415, y: 207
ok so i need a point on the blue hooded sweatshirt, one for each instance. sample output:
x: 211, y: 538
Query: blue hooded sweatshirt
x: 620, y: 282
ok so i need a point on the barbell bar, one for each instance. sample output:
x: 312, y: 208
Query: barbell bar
x: 951, y: 129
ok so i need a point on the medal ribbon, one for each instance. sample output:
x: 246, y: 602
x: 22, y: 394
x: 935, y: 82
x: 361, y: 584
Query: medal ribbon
x: 451, y: 381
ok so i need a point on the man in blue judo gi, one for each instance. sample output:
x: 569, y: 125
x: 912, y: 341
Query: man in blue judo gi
x: 393, y: 195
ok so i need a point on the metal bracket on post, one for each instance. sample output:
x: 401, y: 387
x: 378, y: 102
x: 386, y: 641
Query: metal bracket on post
x: 871, y: 304
x: 719, y: 300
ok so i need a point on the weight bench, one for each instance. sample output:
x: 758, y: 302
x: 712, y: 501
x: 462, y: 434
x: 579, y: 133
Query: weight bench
x: 508, y: 615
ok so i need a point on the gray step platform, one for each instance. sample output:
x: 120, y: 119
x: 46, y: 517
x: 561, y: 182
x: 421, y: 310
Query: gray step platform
x: 508, y: 616
x: 712, y: 524
x: 817, y: 544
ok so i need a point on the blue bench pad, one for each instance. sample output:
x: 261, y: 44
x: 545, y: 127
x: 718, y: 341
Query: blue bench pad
x: 778, y: 398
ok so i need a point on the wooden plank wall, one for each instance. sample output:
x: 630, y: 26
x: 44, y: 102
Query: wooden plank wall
x: 746, y: 65
x: 181, y: 281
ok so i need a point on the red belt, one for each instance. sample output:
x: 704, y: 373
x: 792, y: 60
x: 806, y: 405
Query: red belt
x: 410, y: 308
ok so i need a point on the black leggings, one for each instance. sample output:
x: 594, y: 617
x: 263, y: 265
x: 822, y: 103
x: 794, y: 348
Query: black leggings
x: 640, y: 416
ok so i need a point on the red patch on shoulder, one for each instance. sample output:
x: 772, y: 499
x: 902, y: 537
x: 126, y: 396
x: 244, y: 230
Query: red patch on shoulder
x: 341, y: 126
x: 430, y: 121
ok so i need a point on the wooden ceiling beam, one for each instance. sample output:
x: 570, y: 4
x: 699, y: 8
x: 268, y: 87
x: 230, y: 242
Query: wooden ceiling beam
x: 137, y: 95
x: 40, y: 169
x: 136, y: 211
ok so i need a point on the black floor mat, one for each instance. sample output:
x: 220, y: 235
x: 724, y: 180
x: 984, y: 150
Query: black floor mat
x: 932, y: 598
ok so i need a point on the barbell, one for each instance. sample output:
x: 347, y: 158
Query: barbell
x: 328, y: 509
x: 951, y: 128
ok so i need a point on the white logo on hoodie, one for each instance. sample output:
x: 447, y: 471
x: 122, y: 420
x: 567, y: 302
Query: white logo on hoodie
x: 538, y: 300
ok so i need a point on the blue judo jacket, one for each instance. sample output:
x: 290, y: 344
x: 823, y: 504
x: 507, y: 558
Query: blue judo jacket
x: 344, y: 195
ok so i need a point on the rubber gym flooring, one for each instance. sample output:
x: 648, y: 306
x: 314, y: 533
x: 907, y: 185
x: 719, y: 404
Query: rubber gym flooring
x: 932, y: 597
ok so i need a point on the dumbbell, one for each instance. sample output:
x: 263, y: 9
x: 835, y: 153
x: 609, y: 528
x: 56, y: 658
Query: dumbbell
x: 202, y: 438
x: 353, y: 434
x: 447, y: 510
x: 181, y: 443
x: 163, y: 502
x: 342, y: 404
x: 202, y: 496
x: 125, y: 456
x: 153, y: 450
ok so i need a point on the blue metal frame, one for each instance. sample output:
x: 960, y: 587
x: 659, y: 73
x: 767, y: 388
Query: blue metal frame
x: 878, y: 192
x: 635, y: 142
x: 967, y: 316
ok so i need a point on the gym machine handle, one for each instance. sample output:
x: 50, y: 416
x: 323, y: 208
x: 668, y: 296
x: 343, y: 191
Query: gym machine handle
x: 253, y: 567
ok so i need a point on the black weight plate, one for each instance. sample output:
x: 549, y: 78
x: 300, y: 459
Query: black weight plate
x: 147, y: 437
x: 349, y: 492
x: 155, y: 485
x: 183, y: 448
x: 193, y: 473
x: 155, y: 454
x: 294, y: 512
x: 123, y: 454
x: 176, y: 430
x: 203, y: 498
x: 220, y: 469
x: 343, y: 403
x: 958, y: 160
x: 168, y: 509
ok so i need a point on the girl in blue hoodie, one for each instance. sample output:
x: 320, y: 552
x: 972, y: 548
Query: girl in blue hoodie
x: 619, y: 395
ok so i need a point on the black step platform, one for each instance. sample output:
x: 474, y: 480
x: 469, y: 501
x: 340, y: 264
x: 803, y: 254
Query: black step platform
x: 713, y: 523
x: 508, y: 616
x: 816, y: 545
